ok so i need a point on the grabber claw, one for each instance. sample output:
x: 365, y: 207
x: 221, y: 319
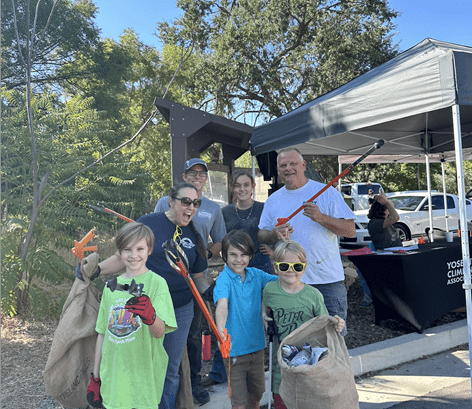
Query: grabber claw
x: 79, y: 246
x: 133, y: 288
x: 175, y: 256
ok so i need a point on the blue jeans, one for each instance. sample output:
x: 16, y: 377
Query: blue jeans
x: 335, y: 299
x: 218, y: 371
x: 174, y: 344
x: 194, y: 346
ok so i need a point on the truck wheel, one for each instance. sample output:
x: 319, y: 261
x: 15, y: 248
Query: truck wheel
x: 403, y: 232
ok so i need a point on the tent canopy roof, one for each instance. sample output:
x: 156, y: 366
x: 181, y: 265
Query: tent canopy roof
x: 406, y: 101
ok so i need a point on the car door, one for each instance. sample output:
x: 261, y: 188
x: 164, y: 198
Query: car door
x: 408, y: 208
x: 439, y: 220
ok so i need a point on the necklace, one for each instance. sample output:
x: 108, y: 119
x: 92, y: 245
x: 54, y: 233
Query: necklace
x: 248, y: 216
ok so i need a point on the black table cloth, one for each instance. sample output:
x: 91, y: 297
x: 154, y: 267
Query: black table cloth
x: 419, y: 287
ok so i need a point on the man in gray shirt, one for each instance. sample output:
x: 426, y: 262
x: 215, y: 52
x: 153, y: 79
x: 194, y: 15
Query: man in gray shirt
x: 209, y: 222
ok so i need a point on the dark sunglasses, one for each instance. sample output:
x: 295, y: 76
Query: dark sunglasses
x: 201, y: 173
x: 186, y: 201
x: 298, y: 267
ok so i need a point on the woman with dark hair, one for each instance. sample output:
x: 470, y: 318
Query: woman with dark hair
x: 244, y: 214
x: 383, y: 216
x: 175, y: 224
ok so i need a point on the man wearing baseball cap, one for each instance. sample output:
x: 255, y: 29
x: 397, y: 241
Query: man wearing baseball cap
x: 209, y: 222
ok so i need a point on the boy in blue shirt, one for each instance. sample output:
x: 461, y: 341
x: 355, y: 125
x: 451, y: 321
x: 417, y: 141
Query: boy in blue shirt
x: 238, y: 295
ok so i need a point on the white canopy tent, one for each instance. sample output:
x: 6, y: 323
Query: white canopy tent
x: 419, y: 103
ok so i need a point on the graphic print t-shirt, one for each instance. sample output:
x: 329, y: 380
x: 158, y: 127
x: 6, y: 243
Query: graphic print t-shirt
x: 290, y: 311
x: 132, y: 359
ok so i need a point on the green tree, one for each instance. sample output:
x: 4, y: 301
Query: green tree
x: 269, y: 57
x: 55, y: 135
x: 44, y: 34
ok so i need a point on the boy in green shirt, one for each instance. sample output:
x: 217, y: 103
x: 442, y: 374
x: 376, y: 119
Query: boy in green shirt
x: 292, y: 302
x: 130, y: 360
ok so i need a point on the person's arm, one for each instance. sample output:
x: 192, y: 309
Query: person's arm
x: 157, y: 329
x: 393, y: 216
x: 112, y: 265
x: 215, y: 248
x: 340, y: 227
x: 200, y: 282
x: 221, y: 315
x: 265, y: 311
x: 217, y: 232
x: 98, y: 355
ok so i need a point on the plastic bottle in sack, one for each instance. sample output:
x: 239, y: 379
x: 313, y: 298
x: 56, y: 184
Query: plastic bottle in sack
x: 289, y: 351
x: 303, y: 357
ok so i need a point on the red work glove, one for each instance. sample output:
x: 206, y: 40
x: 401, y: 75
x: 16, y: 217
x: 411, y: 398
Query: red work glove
x: 93, y: 392
x: 142, y: 306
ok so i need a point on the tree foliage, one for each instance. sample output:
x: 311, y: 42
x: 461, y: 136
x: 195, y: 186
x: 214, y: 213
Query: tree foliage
x: 69, y: 136
x: 269, y: 57
x: 54, y: 29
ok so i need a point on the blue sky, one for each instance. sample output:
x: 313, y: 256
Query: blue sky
x: 449, y: 21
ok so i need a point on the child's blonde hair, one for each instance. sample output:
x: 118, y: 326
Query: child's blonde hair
x: 132, y: 233
x: 289, y: 247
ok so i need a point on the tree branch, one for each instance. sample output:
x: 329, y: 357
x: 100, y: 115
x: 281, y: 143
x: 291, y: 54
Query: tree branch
x: 45, y: 27
x: 17, y: 33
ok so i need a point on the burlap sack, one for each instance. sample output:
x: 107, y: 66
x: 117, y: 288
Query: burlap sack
x: 70, y: 360
x: 329, y: 384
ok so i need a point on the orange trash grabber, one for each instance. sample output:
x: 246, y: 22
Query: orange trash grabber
x: 79, y: 246
x: 177, y: 263
x: 109, y: 211
x: 377, y: 145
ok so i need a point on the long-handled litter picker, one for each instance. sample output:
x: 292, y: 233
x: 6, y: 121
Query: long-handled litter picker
x: 176, y: 260
x: 270, y: 333
x: 377, y: 145
x: 109, y: 211
x: 79, y: 246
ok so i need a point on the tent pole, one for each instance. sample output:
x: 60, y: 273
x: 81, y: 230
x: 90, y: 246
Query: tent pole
x: 430, y: 207
x: 446, y: 218
x: 464, y: 230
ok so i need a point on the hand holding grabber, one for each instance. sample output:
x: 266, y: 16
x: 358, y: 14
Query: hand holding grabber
x: 377, y: 145
x: 177, y: 263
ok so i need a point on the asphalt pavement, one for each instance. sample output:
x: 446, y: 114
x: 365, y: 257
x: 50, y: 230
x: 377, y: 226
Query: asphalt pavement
x: 429, y: 370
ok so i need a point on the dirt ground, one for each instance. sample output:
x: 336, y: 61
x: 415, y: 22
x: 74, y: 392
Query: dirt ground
x: 25, y: 347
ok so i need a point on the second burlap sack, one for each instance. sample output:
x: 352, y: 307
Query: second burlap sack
x: 71, y: 358
x: 329, y: 384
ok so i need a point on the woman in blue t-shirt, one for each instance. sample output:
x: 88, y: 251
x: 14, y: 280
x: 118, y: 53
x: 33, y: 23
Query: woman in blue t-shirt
x: 175, y: 224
